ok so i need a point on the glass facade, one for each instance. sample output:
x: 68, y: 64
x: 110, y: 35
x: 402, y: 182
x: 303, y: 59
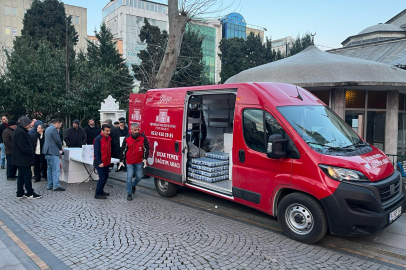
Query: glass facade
x: 234, y: 25
x: 209, y: 48
x: 135, y: 4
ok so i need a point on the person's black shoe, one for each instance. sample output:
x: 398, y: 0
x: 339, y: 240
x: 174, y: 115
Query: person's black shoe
x: 49, y: 188
x: 37, y: 180
x: 34, y: 196
x: 11, y: 178
x: 145, y: 177
x: 118, y: 170
x: 124, y: 169
x: 133, y: 189
x: 59, y: 189
x: 2, y: 167
x: 21, y: 196
x: 106, y: 194
x: 102, y: 197
x: 129, y: 197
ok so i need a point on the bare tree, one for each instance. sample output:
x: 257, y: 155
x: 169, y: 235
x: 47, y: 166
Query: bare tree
x: 181, y: 12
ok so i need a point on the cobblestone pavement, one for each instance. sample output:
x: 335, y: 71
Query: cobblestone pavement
x: 155, y: 233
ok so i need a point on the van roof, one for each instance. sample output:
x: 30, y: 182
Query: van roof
x: 277, y: 94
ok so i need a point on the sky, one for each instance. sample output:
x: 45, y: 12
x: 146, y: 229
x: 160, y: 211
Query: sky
x: 332, y: 20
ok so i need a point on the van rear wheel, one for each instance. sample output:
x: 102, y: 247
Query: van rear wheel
x: 302, y: 218
x: 165, y: 188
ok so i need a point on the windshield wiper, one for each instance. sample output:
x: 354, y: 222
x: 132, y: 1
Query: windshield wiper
x: 355, y: 145
x: 329, y: 146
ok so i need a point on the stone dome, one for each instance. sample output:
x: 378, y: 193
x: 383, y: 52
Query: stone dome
x: 382, y: 27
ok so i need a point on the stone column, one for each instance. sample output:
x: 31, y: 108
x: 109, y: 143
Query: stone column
x: 337, y: 103
x: 391, y: 122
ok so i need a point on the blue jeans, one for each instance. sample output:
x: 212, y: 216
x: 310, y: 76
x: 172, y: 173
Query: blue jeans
x: 131, y: 168
x: 103, y: 173
x: 3, y: 155
x: 53, y: 170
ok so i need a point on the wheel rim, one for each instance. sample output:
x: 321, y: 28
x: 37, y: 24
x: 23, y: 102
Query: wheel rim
x: 299, y: 219
x: 163, y: 185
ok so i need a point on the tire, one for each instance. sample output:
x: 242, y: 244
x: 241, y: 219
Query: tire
x: 302, y: 218
x: 165, y: 188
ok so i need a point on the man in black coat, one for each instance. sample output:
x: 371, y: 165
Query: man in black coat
x: 23, y: 157
x: 92, y: 131
x: 75, y: 136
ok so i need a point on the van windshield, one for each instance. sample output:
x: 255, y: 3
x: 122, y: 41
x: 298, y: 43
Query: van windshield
x: 321, y: 128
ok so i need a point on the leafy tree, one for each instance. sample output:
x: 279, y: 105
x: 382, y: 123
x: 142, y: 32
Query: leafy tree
x: 189, y: 69
x: 233, y: 57
x: 300, y: 44
x: 269, y: 54
x: 105, y: 55
x: 254, y: 51
x: 35, y: 80
x: 47, y: 20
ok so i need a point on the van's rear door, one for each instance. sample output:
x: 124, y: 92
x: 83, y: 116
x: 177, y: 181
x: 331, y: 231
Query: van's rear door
x: 135, y: 108
x: 162, y: 124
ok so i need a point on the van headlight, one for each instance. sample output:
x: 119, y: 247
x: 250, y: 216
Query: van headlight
x: 341, y: 174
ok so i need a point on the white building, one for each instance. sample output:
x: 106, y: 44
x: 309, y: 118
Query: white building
x: 125, y: 19
x: 283, y: 45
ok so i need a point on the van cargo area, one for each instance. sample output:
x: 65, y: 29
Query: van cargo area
x: 210, y: 119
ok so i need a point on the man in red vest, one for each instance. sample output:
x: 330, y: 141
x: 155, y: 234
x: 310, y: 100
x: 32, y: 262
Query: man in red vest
x: 135, y: 150
x: 102, y: 160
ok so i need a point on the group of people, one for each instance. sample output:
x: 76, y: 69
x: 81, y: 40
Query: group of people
x: 27, y: 144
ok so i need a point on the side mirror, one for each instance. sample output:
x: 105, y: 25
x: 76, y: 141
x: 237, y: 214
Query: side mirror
x: 276, y: 146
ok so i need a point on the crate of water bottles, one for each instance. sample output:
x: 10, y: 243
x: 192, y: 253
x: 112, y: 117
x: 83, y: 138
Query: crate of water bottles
x: 214, y: 179
x: 218, y: 155
x: 209, y: 162
x: 195, y: 175
x: 208, y: 174
x: 209, y: 169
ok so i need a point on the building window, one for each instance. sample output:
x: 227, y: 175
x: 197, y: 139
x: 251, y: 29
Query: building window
x: 13, y: 11
x: 354, y: 99
x: 77, y: 19
x: 377, y: 99
x: 159, y: 8
x: 131, y: 3
x: 366, y: 114
x: 6, y: 10
x: 323, y: 96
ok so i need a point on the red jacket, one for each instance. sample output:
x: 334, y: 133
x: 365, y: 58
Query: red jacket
x: 134, y: 150
x: 102, y: 150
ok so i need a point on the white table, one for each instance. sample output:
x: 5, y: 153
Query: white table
x: 77, y: 170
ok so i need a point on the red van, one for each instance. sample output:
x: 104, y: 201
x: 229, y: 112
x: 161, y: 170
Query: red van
x: 274, y: 147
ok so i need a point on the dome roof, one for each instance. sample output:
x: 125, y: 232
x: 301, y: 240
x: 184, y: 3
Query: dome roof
x: 315, y: 68
x: 383, y: 27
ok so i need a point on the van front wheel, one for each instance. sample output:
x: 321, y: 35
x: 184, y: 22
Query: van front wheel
x: 165, y: 188
x: 302, y: 218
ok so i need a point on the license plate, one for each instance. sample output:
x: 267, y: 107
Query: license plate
x: 395, y: 214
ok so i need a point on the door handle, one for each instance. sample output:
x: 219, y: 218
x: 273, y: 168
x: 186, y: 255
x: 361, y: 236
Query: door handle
x: 176, y: 147
x: 241, y: 156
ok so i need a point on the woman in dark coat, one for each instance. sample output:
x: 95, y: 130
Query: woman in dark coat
x: 40, y: 163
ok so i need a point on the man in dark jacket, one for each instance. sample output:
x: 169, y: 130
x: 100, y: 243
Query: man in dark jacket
x: 123, y: 129
x: 23, y: 158
x: 92, y: 131
x: 7, y: 140
x: 52, y: 149
x: 3, y: 126
x: 75, y: 136
x: 102, y: 160
x: 40, y: 163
